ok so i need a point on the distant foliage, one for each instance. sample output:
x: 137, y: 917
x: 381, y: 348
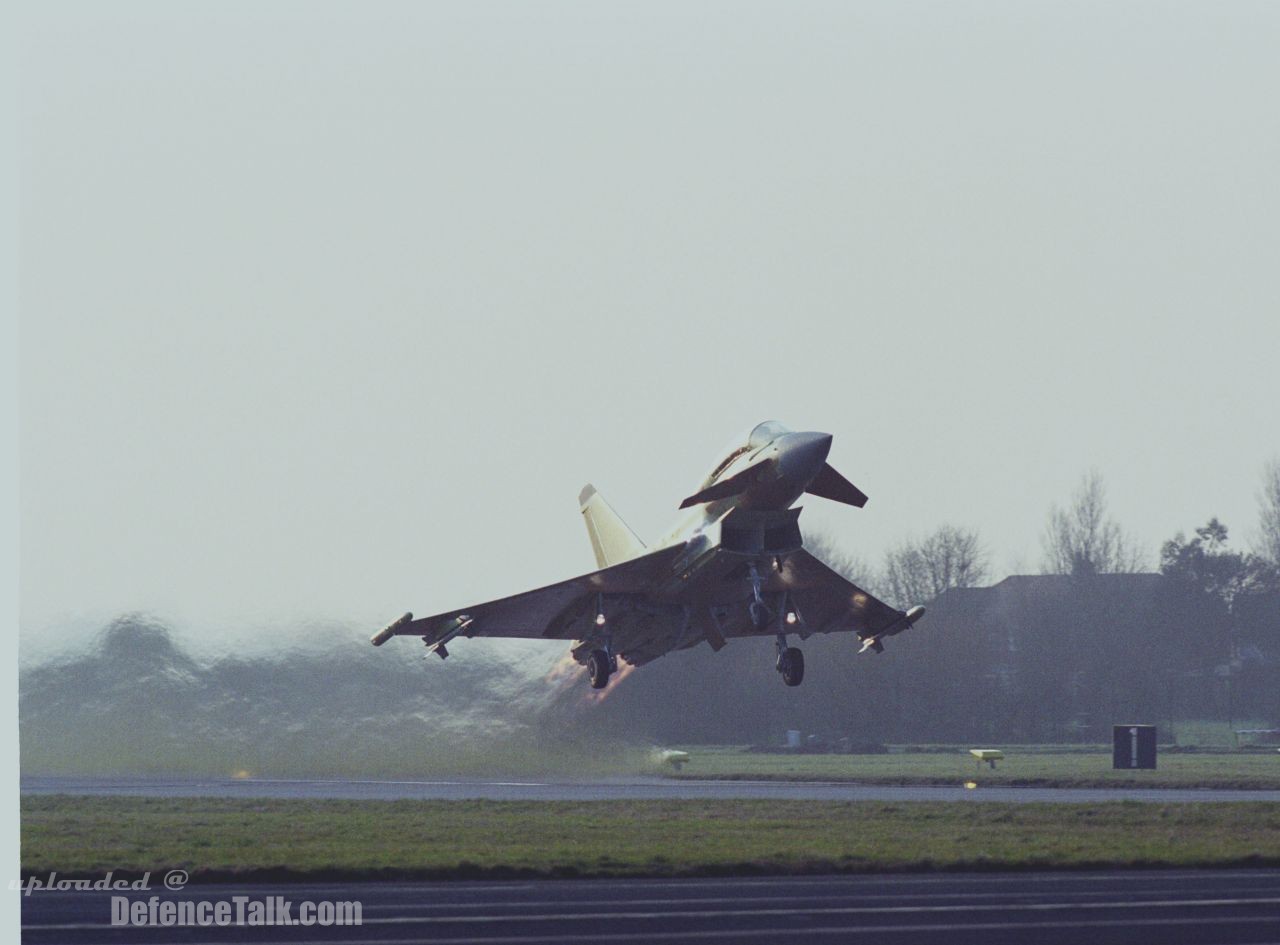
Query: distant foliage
x: 920, y: 569
x: 1082, y: 540
x: 137, y: 702
x: 1205, y: 563
x: 1268, y: 545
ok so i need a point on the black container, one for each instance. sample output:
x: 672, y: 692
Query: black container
x: 1133, y: 746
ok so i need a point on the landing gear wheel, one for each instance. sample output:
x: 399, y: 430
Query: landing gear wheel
x: 791, y: 665
x: 599, y: 667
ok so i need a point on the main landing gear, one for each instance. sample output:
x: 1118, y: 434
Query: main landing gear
x: 790, y: 662
x: 599, y: 668
x: 601, y: 663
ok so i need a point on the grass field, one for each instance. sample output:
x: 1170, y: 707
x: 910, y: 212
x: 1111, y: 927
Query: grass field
x: 219, y: 839
x: 1019, y: 768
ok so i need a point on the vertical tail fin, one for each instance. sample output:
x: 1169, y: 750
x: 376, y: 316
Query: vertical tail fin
x: 611, y: 539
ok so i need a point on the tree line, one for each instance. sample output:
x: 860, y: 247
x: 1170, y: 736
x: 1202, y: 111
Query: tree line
x: 1080, y: 538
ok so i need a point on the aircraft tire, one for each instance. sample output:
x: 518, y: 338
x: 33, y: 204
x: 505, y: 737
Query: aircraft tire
x: 598, y: 669
x: 792, y: 666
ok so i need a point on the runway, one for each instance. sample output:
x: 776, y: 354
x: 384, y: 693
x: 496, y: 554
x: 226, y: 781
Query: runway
x: 1111, y: 908
x: 605, y: 789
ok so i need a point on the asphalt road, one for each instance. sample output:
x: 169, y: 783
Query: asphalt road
x: 603, y: 789
x: 989, y: 908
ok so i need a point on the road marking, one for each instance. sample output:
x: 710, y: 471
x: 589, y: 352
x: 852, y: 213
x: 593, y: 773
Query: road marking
x: 772, y: 934
x: 855, y: 883
x: 840, y: 910
x: 761, y: 913
x: 862, y: 880
x: 253, y: 781
x: 712, y: 900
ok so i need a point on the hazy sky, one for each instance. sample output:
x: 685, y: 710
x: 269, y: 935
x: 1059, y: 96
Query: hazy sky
x: 328, y: 311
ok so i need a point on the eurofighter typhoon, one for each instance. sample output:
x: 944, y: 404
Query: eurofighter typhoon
x: 733, y: 566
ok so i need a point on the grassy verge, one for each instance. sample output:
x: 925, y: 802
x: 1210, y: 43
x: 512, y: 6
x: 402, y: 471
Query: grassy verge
x: 1018, y: 769
x: 222, y: 839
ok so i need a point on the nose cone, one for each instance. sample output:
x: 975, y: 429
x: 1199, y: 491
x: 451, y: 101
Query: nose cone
x: 801, y: 456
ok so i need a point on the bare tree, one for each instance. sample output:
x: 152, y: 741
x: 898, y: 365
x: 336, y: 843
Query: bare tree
x: 1268, y: 544
x: 920, y: 569
x: 1082, y: 539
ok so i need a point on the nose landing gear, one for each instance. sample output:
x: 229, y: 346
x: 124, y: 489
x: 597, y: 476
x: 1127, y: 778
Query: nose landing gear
x: 758, y: 609
x: 790, y: 660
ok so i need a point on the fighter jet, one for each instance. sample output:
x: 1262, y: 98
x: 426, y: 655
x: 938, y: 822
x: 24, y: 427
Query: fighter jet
x: 733, y: 566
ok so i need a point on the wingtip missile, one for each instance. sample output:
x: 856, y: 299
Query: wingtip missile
x: 908, y: 619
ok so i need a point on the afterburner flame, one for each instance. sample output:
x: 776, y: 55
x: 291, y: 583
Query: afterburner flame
x: 569, y: 672
x: 564, y: 672
x: 596, y: 696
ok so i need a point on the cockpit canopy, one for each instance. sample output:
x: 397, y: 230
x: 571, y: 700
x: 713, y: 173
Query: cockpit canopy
x: 762, y: 434
x: 765, y: 433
